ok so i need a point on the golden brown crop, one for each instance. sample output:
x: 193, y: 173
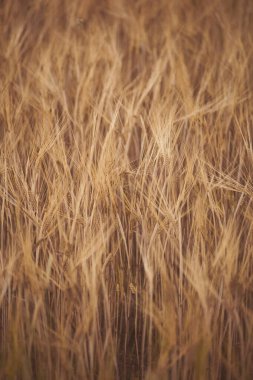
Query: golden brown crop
x: 126, y: 189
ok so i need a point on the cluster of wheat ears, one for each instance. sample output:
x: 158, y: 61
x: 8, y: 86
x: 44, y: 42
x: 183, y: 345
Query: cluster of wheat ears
x: 126, y: 188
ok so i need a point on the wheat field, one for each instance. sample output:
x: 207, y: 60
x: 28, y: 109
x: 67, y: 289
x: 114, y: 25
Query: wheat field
x: 126, y: 188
